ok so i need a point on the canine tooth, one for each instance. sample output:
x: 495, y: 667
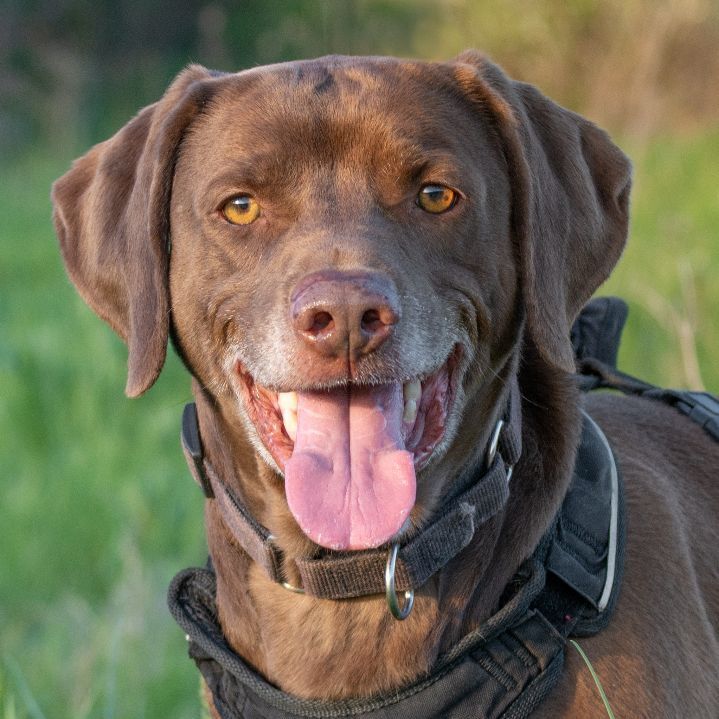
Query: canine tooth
x: 412, y: 390
x: 287, y: 400
x: 289, y: 419
x: 410, y: 411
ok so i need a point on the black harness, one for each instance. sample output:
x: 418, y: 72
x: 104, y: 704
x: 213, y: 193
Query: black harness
x: 506, y: 667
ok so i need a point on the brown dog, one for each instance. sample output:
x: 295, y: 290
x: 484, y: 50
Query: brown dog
x: 355, y: 257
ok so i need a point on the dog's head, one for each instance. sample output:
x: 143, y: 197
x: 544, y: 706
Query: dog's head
x: 349, y: 251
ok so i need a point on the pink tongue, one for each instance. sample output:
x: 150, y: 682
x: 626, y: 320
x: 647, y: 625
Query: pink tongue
x: 350, y: 483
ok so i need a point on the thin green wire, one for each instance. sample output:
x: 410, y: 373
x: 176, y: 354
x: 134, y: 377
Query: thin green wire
x: 610, y: 713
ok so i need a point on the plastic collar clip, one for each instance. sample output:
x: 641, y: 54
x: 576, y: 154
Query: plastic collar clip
x: 192, y: 447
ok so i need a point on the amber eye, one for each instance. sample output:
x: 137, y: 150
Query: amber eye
x: 436, y: 199
x: 241, y: 210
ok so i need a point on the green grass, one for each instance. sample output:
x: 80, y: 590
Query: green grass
x: 98, y: 510
x: 669, y: 271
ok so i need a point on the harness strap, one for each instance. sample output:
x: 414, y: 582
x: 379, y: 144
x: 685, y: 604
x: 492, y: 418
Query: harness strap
x: 501, y: 670
x: 344, y: 575
x: 700, y: 407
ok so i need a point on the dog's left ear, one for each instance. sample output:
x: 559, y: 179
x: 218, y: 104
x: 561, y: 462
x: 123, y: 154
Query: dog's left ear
x: 111, y: 212
x: 570, y: 204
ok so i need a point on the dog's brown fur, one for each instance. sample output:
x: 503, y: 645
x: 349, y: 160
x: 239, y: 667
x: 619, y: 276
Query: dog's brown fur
x: 333, y: 149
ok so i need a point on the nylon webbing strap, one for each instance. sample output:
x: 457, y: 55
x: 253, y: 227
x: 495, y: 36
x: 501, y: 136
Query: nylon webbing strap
x: 502, y: 670
x: 248, y: 532
x: 361, y: 573
x: 700, y: 407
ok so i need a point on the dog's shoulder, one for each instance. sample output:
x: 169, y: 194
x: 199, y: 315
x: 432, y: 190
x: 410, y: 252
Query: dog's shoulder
x: 649, y: 436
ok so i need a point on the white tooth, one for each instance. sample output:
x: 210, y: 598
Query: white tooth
x: 412, y: 390
x: 410, y: 411
x: 289, y: 418
x: 287, y: 400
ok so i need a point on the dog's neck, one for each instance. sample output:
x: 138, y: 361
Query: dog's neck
x: 337, y: 649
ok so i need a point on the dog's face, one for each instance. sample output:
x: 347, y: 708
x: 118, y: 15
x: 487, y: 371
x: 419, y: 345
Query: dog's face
x: 344, y: 265
x: 357, y: 246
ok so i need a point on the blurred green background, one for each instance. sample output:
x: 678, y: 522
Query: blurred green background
x: 98, y: 510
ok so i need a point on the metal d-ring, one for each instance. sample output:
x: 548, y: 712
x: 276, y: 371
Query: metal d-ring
x: 398, y: 612
x: 494, y: 442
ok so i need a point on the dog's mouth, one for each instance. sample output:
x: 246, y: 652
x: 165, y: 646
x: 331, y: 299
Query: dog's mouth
x: 350, y: 454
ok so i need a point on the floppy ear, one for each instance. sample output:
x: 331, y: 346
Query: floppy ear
x: 111, y: 214
x: 570, y: 204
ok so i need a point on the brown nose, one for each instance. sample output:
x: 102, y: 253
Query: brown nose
x: 344, y: 314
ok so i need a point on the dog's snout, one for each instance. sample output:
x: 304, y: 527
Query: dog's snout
x: 338, y: 313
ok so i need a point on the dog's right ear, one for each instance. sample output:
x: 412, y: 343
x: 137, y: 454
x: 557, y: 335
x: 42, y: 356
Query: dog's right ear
x: 570, y: 200
x: 111, y: 213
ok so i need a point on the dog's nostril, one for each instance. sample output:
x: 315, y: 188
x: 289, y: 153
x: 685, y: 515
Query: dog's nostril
x: 321, y: 321
x: 313, y: 322
x: 371, y: 321
x: 374, y: 320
